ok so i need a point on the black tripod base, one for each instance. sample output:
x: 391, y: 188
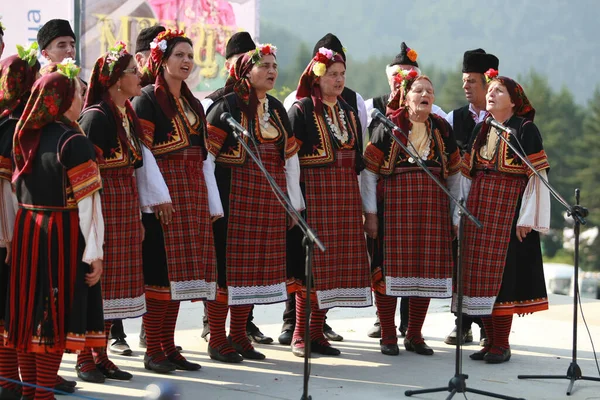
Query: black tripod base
x: 303, y: 397
x: 573, y: 374
x: 458, y: 384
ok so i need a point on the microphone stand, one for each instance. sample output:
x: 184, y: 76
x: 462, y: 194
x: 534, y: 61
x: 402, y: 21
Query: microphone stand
x: 578, y: 213
x: 457, y: 383
x: 309, y: 241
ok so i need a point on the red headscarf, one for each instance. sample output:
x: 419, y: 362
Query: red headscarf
x: 153, y: 73
x: 238, y: 80
x: 51, y: 96
x: 309, y: 83
x: 107, y: 71
x: 16, y: 80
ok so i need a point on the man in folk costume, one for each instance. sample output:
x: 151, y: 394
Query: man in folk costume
x: 331, y: 159
x: 239, y: 44
x: 357, y: 103
x: 17, y: 75
x: 142, y: 44
x: 250, y: 239
x: 463, y: 120
x: 405, y: 61
x: 55, y: 301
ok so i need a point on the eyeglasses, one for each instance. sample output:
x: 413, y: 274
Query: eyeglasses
x: 133, y: 70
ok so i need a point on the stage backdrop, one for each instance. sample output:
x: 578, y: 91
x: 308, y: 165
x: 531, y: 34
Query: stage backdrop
x: 209, y: 23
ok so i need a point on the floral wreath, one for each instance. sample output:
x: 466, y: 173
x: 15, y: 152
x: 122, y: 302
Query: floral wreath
x: 322, y: 58
x: 263, y: 50
x: 159, y: 44
x: 68, y: 68
x: 490, y: 74
x: 404, y: 77
x: 114, y: 54
x: 29, y: 54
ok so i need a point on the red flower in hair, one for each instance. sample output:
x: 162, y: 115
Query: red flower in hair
x: 320, y: 57
x: 266, y: 49
x: 491, y: 74
x: 412, y: 74
x: 398, y: 78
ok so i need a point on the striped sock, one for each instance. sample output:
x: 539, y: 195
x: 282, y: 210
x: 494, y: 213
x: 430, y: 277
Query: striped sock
x: 386, y: 309
x: 317, y: 319
x: 85, y: 360
x: 488, y: 325
x: 298, y: 336
x: 100, y: 354
x: 156, y: 310
x: 28, y: 372
x: 417, y: 310
x: 168, y: 330
x: 47, y: 371
x: 237, y: 325
x: 217, y: 315
x: 9, y: 367
x: 502, y: 325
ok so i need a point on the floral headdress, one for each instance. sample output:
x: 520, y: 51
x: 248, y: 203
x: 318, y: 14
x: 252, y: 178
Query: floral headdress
x: 158, y: 47
x: 114, y: 54
x: 406, y: 80
x: 490, y: 74
x: 51, y: 96
x: 107, y: 70
x: 68, y: 68
x: 17, y: 75
x: 323, y: 59
x: 263, y: 50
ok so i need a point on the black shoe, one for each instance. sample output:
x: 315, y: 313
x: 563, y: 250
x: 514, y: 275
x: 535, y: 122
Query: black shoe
x: 119, y: 346
x: 331, y: 335
x: 230, y: 357
x: 93, y: 376
x: 493, y: 358
x: 258, y: 337
x: 7, y: 394
x: 250, y: 354
x: 61, y: 387
x: 316, y: 347
x: 480, y: 355
x: 419, y: 348
x: 286, y: 337
x: 183, y: 364
x: 116, y: 374
x: 467, y: 337
x: 298, y: 351
x: 65, y: 382
x: 161, y: 367
x: 205, y: 332
x: 389, y: 349
x: 375, y: 331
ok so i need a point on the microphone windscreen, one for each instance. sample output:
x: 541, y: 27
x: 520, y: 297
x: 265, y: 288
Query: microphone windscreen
x: 225, y: 116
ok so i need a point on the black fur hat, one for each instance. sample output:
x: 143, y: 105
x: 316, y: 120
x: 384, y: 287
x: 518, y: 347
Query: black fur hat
x: 53, y: 29
x: 240, y: 42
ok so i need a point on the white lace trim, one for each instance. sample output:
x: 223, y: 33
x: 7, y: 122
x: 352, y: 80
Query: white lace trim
x: 191, y: 290
x: 241, y: 295
x: 124, y: 308
x: 420, y: 287
x: 475, y: 305
x: 345, y: 297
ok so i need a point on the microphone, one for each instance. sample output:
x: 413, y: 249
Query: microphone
x: 377, y: 115
x: 491, y: 121
x: 233, y: 124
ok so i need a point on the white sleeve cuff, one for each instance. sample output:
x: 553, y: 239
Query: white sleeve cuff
x: 214, y: 198
x: 152, y: 188
x: 368, y: 189
x: 535, y: 206
x: 292, y: 175
x: 91, y: 224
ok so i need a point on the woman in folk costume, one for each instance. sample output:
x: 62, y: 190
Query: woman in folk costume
x: 503, y: 271
x: 110, y: 123
x: 330, y: 154
x: 417, y: 234
x: 54, y: 301
x: 178, y: 249
x: 250, y: 239
x: 17, y: 75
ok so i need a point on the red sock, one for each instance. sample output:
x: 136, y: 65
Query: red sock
x: 9, y: 367
x: 488, y: 325
x: 386, y: 308
x: 417, y: 310
x: 317, y: 319
x: 298, y: 336
x: 217, y: 315
x: 85, y: 360
x: 156, y: 310
x: 502, y: 325
x: 100, y: 354
x: 47, y: 371
x: 168, y: 330
x: 237, y: 325
x: 28, y: 372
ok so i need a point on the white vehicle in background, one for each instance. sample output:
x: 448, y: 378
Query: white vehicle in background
x: 559, y: 280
